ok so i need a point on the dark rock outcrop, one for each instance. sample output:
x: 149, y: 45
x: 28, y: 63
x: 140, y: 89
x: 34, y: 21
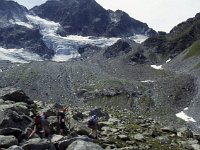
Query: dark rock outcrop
x: 87, y: 17
x: 180, y: 37
x: 119, y: 48
x: 15, y: 95
x: 11, y: 11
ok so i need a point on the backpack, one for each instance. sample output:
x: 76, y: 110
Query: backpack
x: 91, y: 123
x: 38, y: 120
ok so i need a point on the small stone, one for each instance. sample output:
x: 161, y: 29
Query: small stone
x: 139, y: 137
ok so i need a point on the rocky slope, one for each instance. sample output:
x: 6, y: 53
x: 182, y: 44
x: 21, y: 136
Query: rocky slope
x: 112, y: 81
x: 88, y: 18
x: 120, y: 129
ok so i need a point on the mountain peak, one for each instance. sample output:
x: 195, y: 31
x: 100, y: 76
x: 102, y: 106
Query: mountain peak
x: 88, y: 18
x: 10, y: 10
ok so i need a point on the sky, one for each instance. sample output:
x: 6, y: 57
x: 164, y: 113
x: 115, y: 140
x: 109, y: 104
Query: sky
x: 161, y: 15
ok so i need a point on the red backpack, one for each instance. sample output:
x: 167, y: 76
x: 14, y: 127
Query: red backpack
x: 37, y: 120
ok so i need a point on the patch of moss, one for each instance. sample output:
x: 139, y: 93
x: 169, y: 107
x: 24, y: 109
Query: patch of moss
x: 194, y: 50
x: 198, y: 66
x: 146, y: 101
x: 133, y: 126
x: 157, y: 146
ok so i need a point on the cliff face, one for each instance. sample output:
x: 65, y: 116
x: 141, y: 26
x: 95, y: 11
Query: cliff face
x: 11, y: 11
x: 87, y: 17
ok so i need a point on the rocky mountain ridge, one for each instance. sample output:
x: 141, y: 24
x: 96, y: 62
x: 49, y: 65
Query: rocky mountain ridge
x: 11, y: 11
x: 88, y: 18
x: 180, y: 37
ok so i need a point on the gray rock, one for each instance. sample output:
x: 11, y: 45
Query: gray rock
x: 139, y: 137
x: 195, y: 146
x: 62, y: 145
x: 185, y: 132
x: 15, y: 147
x: 123, y: 137
x: 38, y: 144
x: 15, y: 95
x: 164, y: 140
x: 11, y: 131
x: 169, y: 130
x: 79, y: 127
x: 53, y: 124
x: 83, y: 145
x: 7, y: 141
x: 56, y: 138
x: 12, y: 119
x: 78, y: 116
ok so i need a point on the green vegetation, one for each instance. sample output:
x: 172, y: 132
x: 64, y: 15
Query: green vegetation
x: 198, y: 65
x: 194, y: 50
x: 157, y: 146
x: 145, y: 101
x: 185, y: 32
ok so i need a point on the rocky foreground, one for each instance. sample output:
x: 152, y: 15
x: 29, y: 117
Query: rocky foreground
x: 118, y: 129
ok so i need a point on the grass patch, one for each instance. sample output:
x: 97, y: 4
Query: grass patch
x: 157, y: 146
x: 194, y: 50
x: 198, y: 66
x: 146, y: 101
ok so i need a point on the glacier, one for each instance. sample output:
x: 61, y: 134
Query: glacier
x: 18, y: 55
x: 65, y: 47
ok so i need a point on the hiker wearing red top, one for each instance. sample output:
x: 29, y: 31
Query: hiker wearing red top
x: 38, y: 126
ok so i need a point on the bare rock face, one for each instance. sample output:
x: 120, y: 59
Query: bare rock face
x: 180, y: 37
x: 87, y: 17
x: 11, y: 11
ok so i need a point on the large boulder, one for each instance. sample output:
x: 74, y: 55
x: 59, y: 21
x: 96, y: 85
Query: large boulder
x: 99, y: 113
x: 79, y: 127
x: 11, y: 131
x: 63, y: 145
x: 19, y: 107
x: 15, y: 147
x: 83, y: 145
x: 15, y: 95
x: 7, y: 141
x: 38, y: 144
x: 12, y: 119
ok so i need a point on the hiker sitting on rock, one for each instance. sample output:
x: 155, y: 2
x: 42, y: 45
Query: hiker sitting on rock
x: 93, y: 124
x: 38, y: 126
x: 62, y: 119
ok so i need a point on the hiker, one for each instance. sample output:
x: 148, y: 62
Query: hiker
x: 93, y: 124
x: 62, y: 119
x: 38, y: 126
